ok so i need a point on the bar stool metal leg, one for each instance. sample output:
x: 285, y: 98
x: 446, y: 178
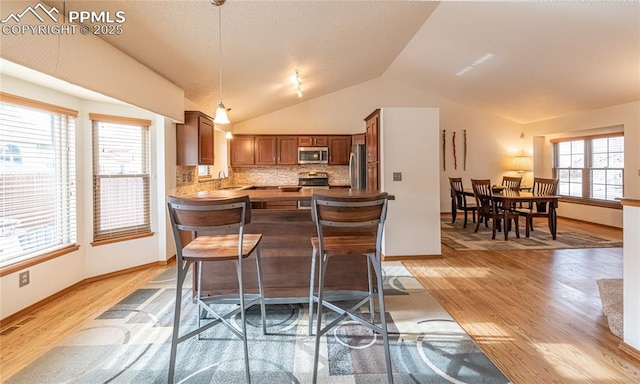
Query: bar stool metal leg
x: 263, y: 310
x: 372, y: 311
x: 243, y: 320
x: 377, y: 265
x: 316, y: 354
x: 311, y: 287
x: 182, y: 269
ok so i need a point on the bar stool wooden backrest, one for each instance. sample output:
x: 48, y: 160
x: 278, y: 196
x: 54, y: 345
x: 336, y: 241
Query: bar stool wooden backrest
x: 350, y: 213
x: 349, y: 226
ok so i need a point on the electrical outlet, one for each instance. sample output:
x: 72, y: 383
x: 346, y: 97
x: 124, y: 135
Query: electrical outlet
x: 23, y: 278
x: 397, y: 176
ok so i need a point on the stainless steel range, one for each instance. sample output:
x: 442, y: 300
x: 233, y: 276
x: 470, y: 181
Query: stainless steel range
x: 316, y: 180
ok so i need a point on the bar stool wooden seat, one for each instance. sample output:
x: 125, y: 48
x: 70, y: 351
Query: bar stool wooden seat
x: 348, y: 226
x: 206, y: 215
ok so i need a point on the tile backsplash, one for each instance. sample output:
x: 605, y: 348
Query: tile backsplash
x: 187, y: 179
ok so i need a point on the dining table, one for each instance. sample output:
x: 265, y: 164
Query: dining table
x: 509, y: 198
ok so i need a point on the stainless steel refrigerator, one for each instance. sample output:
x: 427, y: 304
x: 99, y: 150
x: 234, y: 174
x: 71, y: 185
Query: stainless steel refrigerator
x: 358, y: 167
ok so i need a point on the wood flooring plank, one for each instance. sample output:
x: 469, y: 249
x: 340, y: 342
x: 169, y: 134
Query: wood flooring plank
x: 536, y: 314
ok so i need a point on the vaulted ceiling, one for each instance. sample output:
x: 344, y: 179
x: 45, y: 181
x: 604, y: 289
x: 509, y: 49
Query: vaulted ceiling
x: 524, y: 61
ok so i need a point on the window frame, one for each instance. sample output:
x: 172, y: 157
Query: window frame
x: 123, y: 233
x: 586, y: 170
x: 67, y: 234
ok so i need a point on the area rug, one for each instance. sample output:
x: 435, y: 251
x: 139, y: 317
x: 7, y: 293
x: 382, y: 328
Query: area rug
x: 612, y: 304
x: 464, y: 239
x: 129, y: 343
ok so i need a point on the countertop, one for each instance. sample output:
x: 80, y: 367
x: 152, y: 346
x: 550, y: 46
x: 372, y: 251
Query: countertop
x: 630, y: 201
x: 270, y: 195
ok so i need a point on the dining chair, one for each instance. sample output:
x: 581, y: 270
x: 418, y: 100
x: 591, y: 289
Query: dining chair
x: 541, y: 186
x: 226, y: 218
x: 512, y: 182
x: 348, y: 226
x: 460, y: 200
x: 489, y: 210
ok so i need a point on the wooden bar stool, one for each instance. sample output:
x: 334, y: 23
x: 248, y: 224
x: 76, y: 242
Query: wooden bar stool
x: 229, y: 215
x: 348, y: 226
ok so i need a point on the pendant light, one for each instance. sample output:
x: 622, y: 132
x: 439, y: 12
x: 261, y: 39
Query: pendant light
x: 221, y: 112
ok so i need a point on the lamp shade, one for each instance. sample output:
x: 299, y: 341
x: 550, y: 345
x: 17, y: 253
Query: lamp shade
x: 521, y: 163
x: 228, y: 135
x: 221, y: 115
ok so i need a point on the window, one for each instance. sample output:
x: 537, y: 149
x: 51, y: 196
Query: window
x: 121, y: 178
x: 590, y: 169
x: 205, y: 172
x: 37, y: 179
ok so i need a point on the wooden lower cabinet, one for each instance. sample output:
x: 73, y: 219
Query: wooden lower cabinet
x: 286, y: 260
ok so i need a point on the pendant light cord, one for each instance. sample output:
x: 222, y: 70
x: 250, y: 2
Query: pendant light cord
x: 220, y: 46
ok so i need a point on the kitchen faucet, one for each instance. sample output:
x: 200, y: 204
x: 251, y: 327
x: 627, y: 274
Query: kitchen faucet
x: 219, y: 179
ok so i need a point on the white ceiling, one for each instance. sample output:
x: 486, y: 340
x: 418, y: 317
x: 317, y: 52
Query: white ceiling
x: 524, y: 61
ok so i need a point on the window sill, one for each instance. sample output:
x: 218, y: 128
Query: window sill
x: 11, y: 268
x: 593, y: 203
x: 118, y: 239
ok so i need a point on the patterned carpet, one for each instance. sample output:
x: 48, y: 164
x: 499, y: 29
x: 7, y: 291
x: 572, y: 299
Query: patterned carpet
x: 464, y: 239
x: 129, y: 343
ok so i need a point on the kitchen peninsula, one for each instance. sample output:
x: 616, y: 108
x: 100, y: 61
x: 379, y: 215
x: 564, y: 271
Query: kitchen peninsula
x: 285, y: 248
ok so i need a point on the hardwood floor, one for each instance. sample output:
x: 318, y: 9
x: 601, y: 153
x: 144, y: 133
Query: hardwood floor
x: 29, y: 337
x: 536, y: 314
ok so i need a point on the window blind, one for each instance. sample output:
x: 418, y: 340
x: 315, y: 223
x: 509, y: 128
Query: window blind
x: 37, y: 179
x: 120, y: 177
x: 590, y: 168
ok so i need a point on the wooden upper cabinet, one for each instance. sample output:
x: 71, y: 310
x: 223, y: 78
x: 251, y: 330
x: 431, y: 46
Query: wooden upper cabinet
x: 287, y: 150
x: 358, y: 139
x: 265, y: 150
x: 313, y: 141
x: 242, y: 150
x: 372, y: 144
x: 372, y: 133
x: 195, y: 140
x: 339, y: 150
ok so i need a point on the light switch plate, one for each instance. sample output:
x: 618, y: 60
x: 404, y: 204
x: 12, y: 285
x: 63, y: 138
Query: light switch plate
x: 397, y: 176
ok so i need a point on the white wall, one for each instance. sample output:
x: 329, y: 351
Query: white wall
x: 606, y: 119
x: 55, y: 275
x: 492, y: 140
x: 90, y: 62
x: 413, y: 222
x: 631, y: 288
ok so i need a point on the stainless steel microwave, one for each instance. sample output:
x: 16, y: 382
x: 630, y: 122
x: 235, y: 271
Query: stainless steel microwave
x: 313, y: 155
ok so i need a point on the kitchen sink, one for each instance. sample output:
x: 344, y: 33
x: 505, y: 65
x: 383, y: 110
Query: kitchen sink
x: 237, y: 188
